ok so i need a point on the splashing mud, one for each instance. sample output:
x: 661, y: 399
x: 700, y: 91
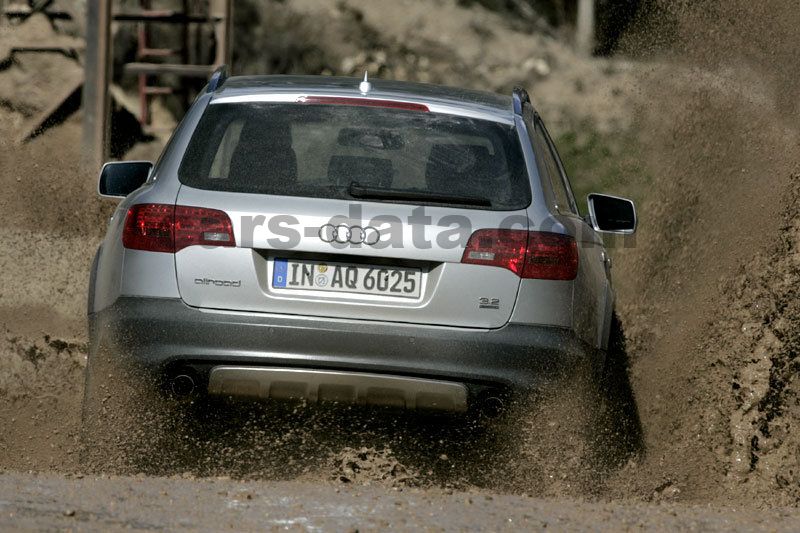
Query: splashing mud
x: 718, y: 135
x: 39, y: 400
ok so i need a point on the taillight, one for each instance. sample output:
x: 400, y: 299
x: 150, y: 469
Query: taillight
x: 150, y: 227
x: 198, y: 225
x: 551, y: 256
x: 528, y: 254
x: 498, y: 247
x: 170, y: 228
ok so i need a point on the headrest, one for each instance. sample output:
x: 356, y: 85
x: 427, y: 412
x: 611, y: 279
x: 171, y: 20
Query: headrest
x: 459, y: 169
x: 263, y: 157
x: 366, y: 171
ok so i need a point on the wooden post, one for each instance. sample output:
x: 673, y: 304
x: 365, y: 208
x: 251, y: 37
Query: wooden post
x: 584, y: 31
x: 97, y: 73
x: 223, y: 31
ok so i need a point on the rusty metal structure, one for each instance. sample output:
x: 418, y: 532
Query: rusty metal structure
x: 153, y: 61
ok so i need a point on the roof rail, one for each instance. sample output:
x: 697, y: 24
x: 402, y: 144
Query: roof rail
x: 520, y: 97
x: 217, y: 79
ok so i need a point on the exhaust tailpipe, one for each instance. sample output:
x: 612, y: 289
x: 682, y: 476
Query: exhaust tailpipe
x: 492, y: 407
x: 182, y: 385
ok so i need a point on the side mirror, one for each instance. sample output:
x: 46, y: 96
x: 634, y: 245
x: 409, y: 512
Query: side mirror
x: 119, y: 179
x: 611, y: 214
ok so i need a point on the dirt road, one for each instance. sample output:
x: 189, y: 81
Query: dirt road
x: 48, y: 502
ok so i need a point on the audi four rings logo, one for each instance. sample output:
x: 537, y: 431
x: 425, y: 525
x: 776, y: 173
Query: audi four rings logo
x: 352, y: 234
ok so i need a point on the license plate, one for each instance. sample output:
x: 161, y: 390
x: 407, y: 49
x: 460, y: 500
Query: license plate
x: 344, y: 277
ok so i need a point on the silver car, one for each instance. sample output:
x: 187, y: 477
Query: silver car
x: 346, y: 240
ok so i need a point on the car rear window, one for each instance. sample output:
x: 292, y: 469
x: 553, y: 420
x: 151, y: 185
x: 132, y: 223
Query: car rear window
x: 330, y: 151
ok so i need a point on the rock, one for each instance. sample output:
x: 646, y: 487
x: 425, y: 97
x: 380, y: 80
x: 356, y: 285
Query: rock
x: 348, y: 65
x: 537, y: 66
x: 750, y: 329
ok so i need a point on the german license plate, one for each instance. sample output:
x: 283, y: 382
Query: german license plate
x: 345, y: 277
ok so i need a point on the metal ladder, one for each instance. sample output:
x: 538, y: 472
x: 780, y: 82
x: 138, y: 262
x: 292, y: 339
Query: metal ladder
x: 150, y: 70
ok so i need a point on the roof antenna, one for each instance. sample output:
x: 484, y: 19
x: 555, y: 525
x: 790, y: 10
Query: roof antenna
x: 365, y: 86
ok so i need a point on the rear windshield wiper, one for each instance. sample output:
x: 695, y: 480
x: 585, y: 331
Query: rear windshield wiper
x: 357, y: 190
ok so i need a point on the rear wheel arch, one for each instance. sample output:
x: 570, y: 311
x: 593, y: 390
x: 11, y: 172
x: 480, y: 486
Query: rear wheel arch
x: 93, y: 282
x: 610, y: 317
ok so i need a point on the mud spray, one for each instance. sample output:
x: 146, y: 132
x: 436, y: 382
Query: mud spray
x: 707, y: 298
x: 708, y: 325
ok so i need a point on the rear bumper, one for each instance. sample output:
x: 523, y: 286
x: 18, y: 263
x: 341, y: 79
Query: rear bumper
x: 161, y: 334
x: 334, y: 385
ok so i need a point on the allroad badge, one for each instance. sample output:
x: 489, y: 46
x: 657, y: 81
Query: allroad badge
x: 218, y: 282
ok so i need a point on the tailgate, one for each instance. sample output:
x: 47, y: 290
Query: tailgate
x: 282, y: 262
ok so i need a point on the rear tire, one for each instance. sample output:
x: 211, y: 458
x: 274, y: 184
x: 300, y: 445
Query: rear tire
x: 568, y: 437
x: 621, y: 431
x: 543, y: 444
x: 125, y: 419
